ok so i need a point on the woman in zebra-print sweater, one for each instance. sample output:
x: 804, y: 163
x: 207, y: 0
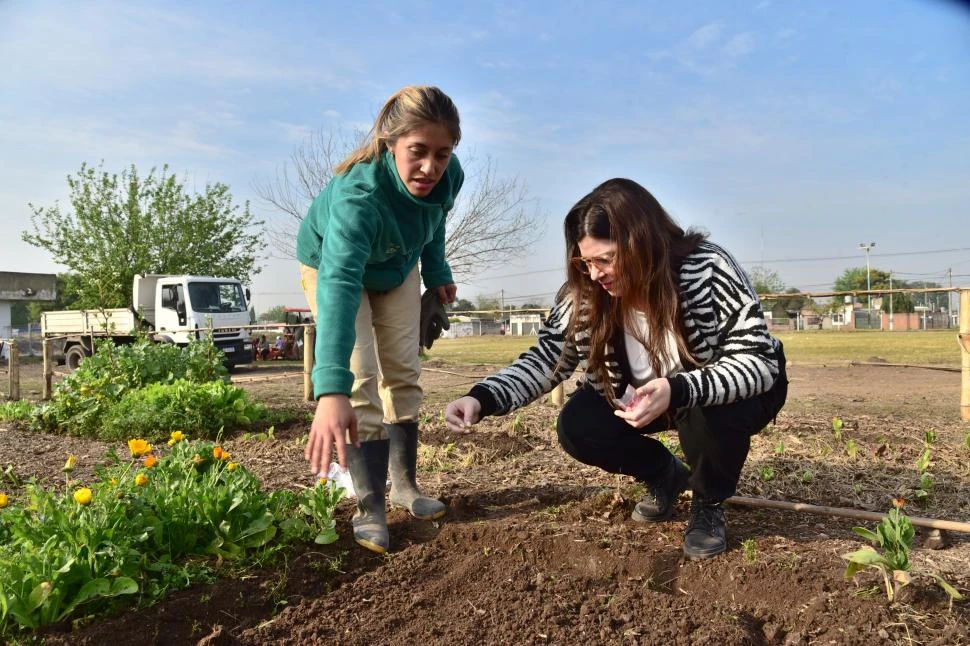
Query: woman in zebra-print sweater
x: 668, y: 333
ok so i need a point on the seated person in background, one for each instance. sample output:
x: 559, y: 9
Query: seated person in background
x: 263, y: 347
x: 279, y: 346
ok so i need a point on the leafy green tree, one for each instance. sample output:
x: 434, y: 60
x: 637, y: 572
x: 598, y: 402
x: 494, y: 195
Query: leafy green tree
x: 795, y: 302
x: 854, y: 279
x: 121, y: 225
x: 462, y: 305
x: 489, y: 303
x: 765, y: 281
x: 533, y: 306
x: 274, y: 314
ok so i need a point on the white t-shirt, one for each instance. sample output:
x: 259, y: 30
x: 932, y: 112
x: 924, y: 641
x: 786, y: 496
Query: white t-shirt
x: 640, y: 367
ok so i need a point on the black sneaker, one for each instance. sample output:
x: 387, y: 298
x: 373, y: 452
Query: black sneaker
x: 707, y: 530
x: 658, y: 503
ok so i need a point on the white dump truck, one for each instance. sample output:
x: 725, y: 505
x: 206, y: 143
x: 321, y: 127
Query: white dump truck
x: 169, y: 309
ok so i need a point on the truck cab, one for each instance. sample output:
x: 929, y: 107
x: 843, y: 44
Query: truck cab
x: 179, y: 308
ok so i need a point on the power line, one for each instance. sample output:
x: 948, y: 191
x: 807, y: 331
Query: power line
x: 775, y: 261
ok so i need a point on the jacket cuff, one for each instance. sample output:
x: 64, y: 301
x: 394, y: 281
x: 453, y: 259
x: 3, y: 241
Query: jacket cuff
x: 678, y: 391
x: 332, y: 381
x: 485, y: 398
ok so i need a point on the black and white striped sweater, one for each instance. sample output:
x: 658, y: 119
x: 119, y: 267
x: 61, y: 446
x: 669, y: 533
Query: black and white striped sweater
x: 725, y: 329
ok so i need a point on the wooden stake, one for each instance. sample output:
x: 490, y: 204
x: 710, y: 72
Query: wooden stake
x: 951, y: 525
x: 309, y: 344
x: 557, y: 395
x: 964, y: 339
x: 14, y: 371
x: 48, y: 369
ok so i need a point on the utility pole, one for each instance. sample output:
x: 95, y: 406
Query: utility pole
x: 890, y: 300
x: 949, y: 297
x: 866, y: 247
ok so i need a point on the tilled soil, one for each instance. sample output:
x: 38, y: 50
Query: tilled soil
x: 538, y: 549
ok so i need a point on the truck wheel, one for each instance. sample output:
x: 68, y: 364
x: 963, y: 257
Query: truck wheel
x: 73, y: 357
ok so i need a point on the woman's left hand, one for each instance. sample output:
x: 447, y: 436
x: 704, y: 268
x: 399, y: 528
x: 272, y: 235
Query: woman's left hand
x: 652, y: 401
x: 447, y: 293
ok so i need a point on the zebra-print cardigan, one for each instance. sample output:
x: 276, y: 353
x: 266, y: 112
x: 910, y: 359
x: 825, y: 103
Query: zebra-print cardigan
x: 725, y: 329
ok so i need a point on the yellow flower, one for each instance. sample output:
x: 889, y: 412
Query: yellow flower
x: 4, y: 500
x: 197, y: 459
x: 224, y: 456
x: 139, y: 448
x: 232, y: 466
x: 69, y: 465
x: 141, y: 480
x: 175, y: 438
x: 83, y: 496
x: 150, y: 461
x: 113, y: 482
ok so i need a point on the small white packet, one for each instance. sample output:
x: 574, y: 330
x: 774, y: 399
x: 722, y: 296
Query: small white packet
x: 629, y: 397
x: 341, y: 477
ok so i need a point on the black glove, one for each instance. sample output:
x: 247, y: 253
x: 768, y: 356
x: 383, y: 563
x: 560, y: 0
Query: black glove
x: 434, y: 319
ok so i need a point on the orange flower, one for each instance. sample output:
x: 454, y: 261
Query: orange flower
x: 83, y: 496
x: 217, y: 453
x: 141, y: 480
x: 139, y: 448
x: 899, y: 502
x: 150, y: 461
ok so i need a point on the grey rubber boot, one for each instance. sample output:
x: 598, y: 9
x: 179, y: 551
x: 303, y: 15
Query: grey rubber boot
x: 368, y: 471
x: 404, y: 465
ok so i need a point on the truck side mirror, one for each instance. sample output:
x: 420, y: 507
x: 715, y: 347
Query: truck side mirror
x: 249, y: 298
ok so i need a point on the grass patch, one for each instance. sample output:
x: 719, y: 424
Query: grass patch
x: 920, y: 347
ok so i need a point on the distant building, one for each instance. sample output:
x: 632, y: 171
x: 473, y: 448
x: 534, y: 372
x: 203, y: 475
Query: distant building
x: 17, y: 286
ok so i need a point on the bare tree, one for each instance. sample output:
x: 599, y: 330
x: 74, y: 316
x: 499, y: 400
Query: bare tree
x: 493, y: 221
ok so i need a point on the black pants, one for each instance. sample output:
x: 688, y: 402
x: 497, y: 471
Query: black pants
x: 715, y: 439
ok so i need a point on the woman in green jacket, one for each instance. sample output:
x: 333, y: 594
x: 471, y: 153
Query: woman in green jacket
x: 359, y: 247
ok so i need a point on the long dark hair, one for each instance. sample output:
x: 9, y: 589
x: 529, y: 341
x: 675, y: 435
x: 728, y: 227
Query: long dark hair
x: 650, y: 247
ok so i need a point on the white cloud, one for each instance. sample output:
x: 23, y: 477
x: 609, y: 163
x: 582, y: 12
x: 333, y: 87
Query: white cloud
x: 704, y: 36
x: 739, y: 45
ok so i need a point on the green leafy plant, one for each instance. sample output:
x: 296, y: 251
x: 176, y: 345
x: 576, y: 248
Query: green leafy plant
x: 807, y: 476
x: 851, y: 449
x: 924, y: 460
x: 767, y: 473
x: 929, y: 437
x: 750, y: 549
x: 837, y: 425
x: 780, y: 447
x: 18, y: 411
x: 83, y: 400
x: 894, y: 538
x: 147, y: 524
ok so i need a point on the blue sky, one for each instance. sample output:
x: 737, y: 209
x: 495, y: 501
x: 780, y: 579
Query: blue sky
x: 791, y: 131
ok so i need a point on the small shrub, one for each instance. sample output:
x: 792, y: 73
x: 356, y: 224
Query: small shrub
x: 84, y: 398
x: 18, y: 411
x: 158, y: 409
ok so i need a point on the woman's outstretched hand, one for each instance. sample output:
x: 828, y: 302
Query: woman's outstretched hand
x: 462, y: 413
x: 333, y: 422
x: 652, y: 400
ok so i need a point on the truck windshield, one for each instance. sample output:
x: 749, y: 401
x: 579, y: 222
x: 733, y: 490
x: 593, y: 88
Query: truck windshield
x: 217, y: 297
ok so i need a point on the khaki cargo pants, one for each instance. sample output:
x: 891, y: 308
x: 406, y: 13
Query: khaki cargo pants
x: 385, y: 360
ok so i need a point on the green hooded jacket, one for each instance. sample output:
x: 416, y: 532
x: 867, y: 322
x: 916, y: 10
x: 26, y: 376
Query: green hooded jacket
x: 366, y: 231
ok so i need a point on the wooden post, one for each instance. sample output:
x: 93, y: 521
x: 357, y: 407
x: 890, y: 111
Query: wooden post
x: 557, y: 396
x: 48, y: 369
x: 14, y: 370
x: 309, y: 344
x: 965, y: 353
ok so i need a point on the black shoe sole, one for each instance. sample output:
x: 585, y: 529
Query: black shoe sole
x: 704, y: 554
